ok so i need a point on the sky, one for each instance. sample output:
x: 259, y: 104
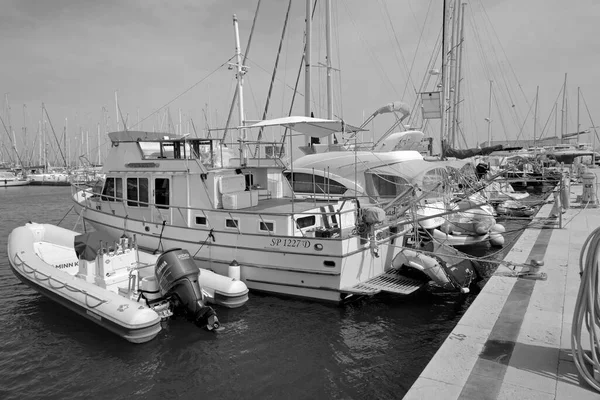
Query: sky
x: 166, y: 59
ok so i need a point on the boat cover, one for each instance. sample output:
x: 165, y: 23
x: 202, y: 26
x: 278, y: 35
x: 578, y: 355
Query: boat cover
x: 313, y: 127
x: 88, y: 244
x: 466, y: 153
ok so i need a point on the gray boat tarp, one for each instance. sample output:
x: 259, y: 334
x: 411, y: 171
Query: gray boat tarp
x: 466, y: 153
x: 88, y: 244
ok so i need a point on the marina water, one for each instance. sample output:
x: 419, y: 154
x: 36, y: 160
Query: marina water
x: 271, y: 348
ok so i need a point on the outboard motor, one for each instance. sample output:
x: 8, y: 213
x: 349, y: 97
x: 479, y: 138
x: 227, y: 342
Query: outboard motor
x: 177, y: 276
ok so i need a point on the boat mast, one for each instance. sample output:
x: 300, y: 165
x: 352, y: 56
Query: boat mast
x: 40, y: 143
x: 459, y: 74
x: 11, y: 131
x: 452, y: 76
x: 443, y: 82
x: 67, y: 147
x: 489, y: 118
x: 535, y: 111
x: 24, y: 138
x: 307, y: 50
x: 328, y: 47
x: 241, y: 70
x: 99, y: 149
x: 578, y: 125
x: 564, y: 110
x: 117, y: 109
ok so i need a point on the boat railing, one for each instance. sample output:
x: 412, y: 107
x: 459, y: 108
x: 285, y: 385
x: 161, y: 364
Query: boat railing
x: 187, y: 215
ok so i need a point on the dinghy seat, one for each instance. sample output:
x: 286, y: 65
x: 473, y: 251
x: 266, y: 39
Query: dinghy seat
x: 60, y: 257
x: 113, y: 269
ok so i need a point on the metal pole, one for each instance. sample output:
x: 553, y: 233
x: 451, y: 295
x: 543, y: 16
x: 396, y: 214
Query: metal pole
x: 578, y: 126
x: 563, y: 111
x: 452, y: 77
x: 307, y: 58
x: 443, y: 82
x: 459, y: 73
x: 240, y: 82
x: 328, y: 49
x: 489, y: 133
x: 537, y: 91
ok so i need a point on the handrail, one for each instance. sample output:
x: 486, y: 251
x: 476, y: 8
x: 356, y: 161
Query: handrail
x: 203, y: 210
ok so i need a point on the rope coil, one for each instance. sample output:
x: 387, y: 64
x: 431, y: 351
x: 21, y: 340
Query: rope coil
x: 587, y: 310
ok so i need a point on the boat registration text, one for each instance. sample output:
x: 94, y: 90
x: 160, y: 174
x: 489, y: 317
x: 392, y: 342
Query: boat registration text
x: 290, y: 243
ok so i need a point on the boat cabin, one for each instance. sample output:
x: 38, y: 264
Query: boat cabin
x: 200, y: 183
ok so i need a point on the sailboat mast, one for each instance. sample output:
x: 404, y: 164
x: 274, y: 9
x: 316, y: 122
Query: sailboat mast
x: 563, y: 111
x: 307, y: 60
x: 443, y: 82
x: 459, y: 73
x: 535, y: 112
x: 240, y: 84
x: 578, y: 125
x: 452, y: 75
x: 67, y: 147
x: 328, y: 46
x: 40, y: 143
x: 99, y: 149
x: 117, y: 109
x: 11, y: 131
x: 489, y: 118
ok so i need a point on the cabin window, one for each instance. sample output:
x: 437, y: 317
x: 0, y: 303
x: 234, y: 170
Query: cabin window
x: 434, y: 183
x: 249, y: 180
x: 113, y: 189
x: 274, y: 151
x: 266, y: 226
x: 161, y: 192
x: 137, y: 192
x: 389, y: 186
x: 232, y: 223
x: 309, y: 184
x: 305, y: 222
x: 201, y: 220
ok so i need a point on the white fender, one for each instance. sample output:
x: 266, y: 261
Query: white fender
x: 496, y: 237
x: 565, y: 193
x: 458, y: 240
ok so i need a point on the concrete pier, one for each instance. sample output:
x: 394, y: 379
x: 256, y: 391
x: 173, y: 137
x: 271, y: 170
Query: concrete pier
x: 514, y: 341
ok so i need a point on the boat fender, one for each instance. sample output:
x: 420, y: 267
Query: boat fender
x: 446, y: 227
x: 482, y: 227
x: 565, y: 191
x: 233, y: 271
x: 496, y: 235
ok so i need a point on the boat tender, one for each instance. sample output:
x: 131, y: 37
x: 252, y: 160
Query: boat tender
x: 114, y: 284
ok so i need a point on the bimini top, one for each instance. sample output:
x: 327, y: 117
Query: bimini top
x: 138, y: 136
x: 314, y: 127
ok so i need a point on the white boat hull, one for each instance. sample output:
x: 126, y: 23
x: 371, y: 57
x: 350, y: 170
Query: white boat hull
x: 9, y: 183
x: 122, y: 316
x: 315, y: 268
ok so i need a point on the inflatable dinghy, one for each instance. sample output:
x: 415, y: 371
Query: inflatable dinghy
x: 112, y: 283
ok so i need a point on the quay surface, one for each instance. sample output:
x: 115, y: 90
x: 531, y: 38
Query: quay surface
x: 514, y: 341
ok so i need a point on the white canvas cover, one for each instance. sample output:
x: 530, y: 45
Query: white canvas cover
x: 313, y: 127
